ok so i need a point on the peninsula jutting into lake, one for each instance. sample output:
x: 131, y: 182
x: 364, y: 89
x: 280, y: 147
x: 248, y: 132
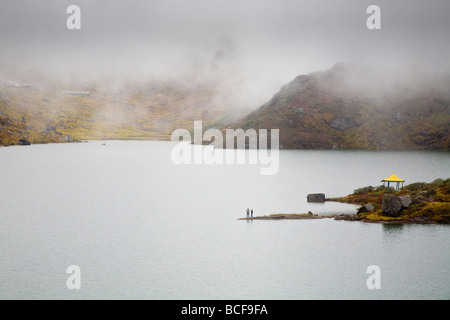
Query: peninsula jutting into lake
x: 419, y: 202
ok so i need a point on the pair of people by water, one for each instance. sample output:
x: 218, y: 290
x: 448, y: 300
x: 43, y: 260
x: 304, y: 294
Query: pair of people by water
x: 249, y: 211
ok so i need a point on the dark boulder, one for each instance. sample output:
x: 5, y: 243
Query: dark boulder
x: 24, y: 142
x: 392, y: 206
x: 316, y: 197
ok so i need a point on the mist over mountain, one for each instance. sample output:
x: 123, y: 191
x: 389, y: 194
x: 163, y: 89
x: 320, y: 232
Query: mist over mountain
x: 140, y: 69
x: 349, y: 106
x: 43, y: 109
x: 354, y: 106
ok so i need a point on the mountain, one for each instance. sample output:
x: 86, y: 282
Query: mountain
x: 349, y: 106
x: 353, y: 106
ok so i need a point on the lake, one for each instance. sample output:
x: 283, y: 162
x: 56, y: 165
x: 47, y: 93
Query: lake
x: 140, y: 227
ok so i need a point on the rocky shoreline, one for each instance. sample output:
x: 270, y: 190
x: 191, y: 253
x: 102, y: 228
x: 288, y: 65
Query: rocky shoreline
x: 356, y: 217
x: 339, y: 217
x: 286, y: 216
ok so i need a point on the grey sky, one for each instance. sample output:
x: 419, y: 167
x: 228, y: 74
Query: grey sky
x: 269, y: 39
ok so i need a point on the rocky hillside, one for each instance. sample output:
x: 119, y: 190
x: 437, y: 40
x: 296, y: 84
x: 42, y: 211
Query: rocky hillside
x: 355, y: 107
x: 52, y: 112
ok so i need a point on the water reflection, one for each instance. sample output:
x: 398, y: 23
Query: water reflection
x: 392, y: 230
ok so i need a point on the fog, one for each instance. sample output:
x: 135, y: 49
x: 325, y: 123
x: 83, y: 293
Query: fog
x: 252, y: 46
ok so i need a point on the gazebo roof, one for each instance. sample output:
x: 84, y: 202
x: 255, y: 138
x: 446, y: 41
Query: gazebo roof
x: 393, y: 178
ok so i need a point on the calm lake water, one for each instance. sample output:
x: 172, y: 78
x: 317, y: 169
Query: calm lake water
x: 140, y: 227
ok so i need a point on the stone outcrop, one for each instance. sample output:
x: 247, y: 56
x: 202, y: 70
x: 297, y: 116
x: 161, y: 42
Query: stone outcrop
x: 366, y: 208
x: 24, y: 142
x: 406, y: 201
x: 348, y: 217
x: 316, y: 197
x: 342, y: 124
x: 393, y: 205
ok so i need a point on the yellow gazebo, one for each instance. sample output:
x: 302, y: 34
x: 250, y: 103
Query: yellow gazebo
x: 393, y: 179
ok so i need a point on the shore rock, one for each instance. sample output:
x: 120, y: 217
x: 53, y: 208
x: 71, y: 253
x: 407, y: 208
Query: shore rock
x: 316, y: 197
x: 366, y: 208
x: 420, y: 219
x: 24, y: 142
x: 392, y: 205
x: 348, y: 217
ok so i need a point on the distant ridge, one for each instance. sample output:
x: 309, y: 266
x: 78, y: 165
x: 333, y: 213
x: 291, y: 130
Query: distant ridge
x: 351, y: 106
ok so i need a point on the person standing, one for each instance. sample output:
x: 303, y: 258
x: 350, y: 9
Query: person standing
x: 251, y: 213
x: 248, y: 210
